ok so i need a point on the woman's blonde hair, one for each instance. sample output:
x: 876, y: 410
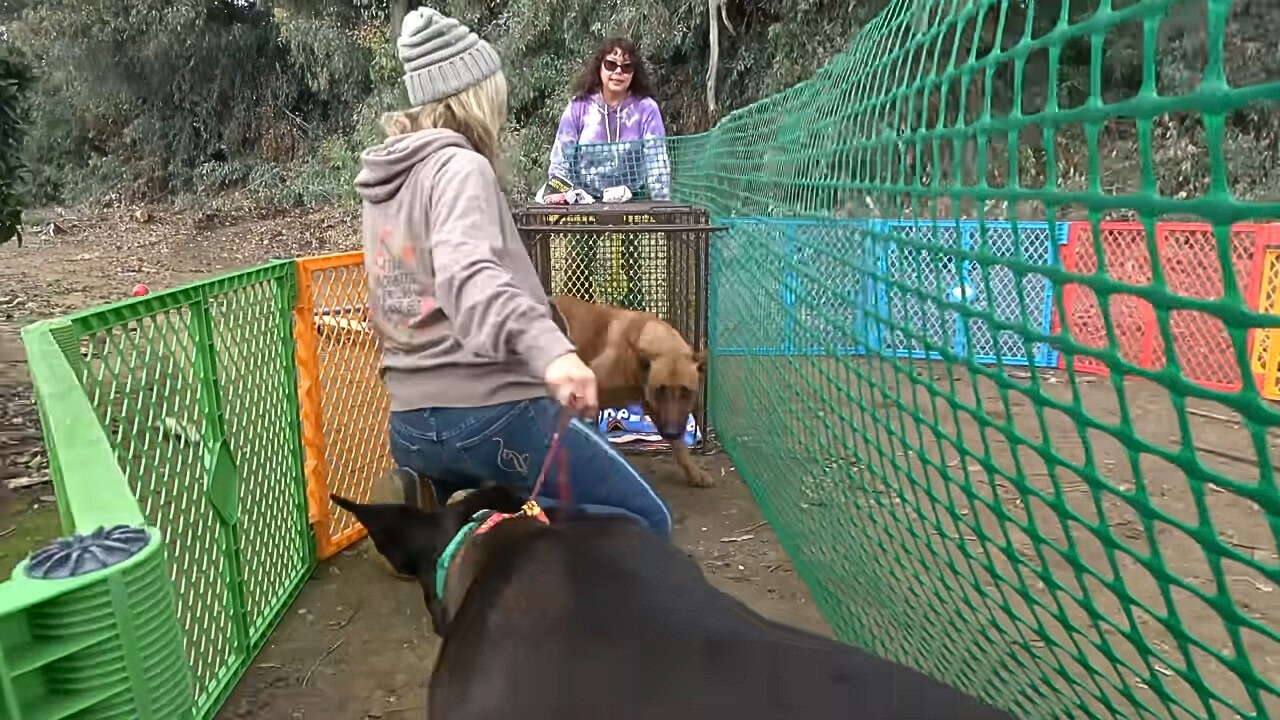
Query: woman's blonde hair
x: 477, y: 113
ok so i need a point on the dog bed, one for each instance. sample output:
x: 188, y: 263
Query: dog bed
x: 631, y: 427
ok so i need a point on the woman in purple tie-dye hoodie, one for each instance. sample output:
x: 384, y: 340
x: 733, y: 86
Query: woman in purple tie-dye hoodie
x: 614, y: 110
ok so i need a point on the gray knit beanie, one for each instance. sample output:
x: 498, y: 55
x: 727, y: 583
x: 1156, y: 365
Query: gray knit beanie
x: 441, y: 56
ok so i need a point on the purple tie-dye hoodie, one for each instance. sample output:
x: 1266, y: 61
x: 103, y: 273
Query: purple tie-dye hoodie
x: 630, y: 147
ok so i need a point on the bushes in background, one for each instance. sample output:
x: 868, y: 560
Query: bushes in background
x: 15, y: 82
x: 156, y: 99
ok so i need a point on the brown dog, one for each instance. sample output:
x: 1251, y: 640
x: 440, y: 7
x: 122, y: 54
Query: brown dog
x: 639, y: 358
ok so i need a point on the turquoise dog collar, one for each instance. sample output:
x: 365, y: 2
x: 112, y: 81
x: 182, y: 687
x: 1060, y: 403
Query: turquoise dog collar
x: 442, y: 565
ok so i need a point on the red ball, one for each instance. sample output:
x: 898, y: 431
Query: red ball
x: 139, y: 290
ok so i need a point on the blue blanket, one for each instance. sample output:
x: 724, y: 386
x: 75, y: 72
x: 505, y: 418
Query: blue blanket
x: 630, y: 425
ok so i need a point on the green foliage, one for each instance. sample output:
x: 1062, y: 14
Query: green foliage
x: 15, y: 81
x: 153, y: 99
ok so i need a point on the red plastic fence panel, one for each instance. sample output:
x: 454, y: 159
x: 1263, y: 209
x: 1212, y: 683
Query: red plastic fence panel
x: 1190, y: 267
x: 1127, y: 261
x: 1189, y: 259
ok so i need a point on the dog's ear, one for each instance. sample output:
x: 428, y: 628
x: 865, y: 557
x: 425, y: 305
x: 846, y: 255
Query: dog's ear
x: 407, y: 537
x: 499, y: 498
x: 700, y: 359
x: 645, y: 337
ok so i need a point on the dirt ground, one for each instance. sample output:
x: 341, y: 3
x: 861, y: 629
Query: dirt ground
x: 356, y: 643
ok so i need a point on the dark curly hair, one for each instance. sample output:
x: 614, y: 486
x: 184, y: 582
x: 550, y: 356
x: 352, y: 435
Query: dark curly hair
x: 588, y: 81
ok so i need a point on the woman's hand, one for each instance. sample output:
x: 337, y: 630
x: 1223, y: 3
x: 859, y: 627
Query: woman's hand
x: 573, y: 385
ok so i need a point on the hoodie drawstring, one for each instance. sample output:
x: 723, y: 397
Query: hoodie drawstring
x: 610, y: 135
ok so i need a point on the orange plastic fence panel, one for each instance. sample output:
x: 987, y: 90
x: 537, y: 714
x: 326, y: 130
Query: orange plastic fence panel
x: 1190, y: 267
x: 344, y: 407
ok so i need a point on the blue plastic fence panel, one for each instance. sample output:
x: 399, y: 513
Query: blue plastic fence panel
x: 747, y: 314
x: 914, y: 277
x: 791, y: 286
x: 917, y: 276
x: 829, y: 286
x: 1007, y: 293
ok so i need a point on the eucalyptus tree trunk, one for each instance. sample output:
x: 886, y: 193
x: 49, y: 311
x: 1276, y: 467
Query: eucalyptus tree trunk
x: 399, y: 8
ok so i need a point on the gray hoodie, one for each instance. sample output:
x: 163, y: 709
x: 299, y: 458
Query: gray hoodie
x: 455, y: 299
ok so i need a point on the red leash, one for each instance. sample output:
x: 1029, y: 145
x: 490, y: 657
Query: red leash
x: 565, y: 417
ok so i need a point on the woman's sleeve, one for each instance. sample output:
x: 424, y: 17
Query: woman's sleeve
x: 657, y: 161
x: 567, y: 135
x: 490, y: 314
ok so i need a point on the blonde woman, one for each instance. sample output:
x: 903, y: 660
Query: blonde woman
x: 477, y: 371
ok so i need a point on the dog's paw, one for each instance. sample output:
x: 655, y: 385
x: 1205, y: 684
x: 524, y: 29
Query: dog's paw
x: 699, y: 478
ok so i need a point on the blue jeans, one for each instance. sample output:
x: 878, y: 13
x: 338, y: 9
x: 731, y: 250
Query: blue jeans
x: 458, y: 448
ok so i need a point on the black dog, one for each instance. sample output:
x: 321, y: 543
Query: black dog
x: 597, y: 617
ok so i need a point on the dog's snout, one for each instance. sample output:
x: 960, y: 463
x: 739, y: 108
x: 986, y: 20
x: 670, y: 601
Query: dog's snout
x: 670, y: 430
x: 670, y: 422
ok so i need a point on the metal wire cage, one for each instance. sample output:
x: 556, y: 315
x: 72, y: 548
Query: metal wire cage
x: 650, y: 256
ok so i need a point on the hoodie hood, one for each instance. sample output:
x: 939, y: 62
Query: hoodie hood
x: 385, y: 168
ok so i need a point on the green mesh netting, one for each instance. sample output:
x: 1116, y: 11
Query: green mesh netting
x: 982, y: 332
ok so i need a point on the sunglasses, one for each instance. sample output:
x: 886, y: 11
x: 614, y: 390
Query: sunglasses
x: 614, y: 66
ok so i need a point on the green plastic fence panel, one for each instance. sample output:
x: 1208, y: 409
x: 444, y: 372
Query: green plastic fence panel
x: 104, y: 643
x: 194, y: 393
x: 1064, y: 545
